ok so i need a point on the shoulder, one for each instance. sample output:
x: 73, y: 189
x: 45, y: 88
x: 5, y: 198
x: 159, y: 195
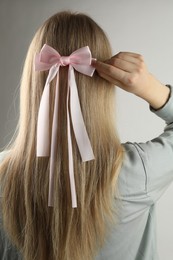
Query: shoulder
x: 3, y: 155
x: 132, y: 178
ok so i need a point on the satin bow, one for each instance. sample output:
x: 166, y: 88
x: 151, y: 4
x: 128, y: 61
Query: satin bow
x: 50, y: 59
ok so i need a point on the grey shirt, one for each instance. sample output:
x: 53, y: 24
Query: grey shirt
x: 146, y: 173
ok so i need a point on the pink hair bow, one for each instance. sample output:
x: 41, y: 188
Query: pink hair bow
x: 50, y: 59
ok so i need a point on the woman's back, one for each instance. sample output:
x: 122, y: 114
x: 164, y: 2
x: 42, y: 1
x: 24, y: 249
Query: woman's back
x: 146, y: 173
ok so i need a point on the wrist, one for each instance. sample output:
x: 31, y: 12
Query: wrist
x: 156, y: 94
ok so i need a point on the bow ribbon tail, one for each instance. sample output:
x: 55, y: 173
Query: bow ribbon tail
x: 80, y: 132
x: 79, y: 128
x: 43, y: 136
x: 70, y: 151
x: 53, y: 145
x: 43, y: 125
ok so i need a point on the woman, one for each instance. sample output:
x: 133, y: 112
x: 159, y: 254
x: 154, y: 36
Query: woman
x: 106, y: 210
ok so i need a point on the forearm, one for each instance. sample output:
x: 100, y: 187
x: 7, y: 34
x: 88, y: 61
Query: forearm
x: 156, y: 94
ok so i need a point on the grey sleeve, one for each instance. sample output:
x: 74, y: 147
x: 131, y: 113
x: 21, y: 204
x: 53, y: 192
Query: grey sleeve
x: 157, y: 155
x: 7, y: 250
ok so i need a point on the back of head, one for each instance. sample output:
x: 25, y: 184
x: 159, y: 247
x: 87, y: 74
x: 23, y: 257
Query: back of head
x: 62, y: 232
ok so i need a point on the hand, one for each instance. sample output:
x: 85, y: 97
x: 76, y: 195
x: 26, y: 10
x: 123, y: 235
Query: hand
x: 128, y: 71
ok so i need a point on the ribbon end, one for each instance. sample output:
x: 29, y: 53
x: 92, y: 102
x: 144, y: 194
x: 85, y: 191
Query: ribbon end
x: 74, y: 206
x: 50, y: 201
x: 88, y: 158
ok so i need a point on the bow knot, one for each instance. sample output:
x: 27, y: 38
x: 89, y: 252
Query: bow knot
x: 50, y: 59
x: 64, y: 60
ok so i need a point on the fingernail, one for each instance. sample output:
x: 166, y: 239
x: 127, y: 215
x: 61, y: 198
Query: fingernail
x: 94, y: 61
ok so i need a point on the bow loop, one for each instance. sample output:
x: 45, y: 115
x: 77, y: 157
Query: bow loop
x: 46, y: 58
x: 50, y: 59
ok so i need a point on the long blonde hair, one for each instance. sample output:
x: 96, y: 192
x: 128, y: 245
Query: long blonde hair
x: 61, y: 232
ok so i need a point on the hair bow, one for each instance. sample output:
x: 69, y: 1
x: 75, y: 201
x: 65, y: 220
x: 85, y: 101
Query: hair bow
x: 50, y: 59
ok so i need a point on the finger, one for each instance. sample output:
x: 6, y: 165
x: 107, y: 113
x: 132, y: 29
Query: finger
x: 130, y: 54
x: 110, y: 79
x: 109, y: 70
x: 125, y: 65
x: 130, y: 57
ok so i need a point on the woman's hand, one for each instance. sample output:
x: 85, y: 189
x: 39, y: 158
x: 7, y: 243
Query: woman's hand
x: 128, y: 71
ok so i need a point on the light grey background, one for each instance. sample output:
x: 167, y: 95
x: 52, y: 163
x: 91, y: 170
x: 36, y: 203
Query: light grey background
x: 144, y: 27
